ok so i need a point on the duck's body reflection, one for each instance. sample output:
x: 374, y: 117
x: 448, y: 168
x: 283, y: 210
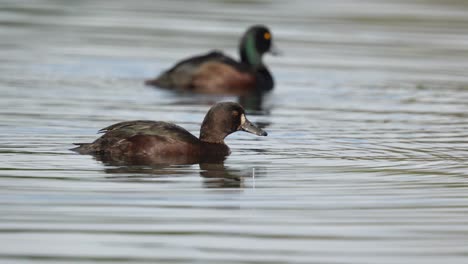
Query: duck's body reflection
x: 213, y: 169
x: 253, y: 102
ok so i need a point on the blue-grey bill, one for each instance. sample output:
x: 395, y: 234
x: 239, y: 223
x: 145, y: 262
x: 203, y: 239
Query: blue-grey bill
x: 247, y: 126
x: 275, y: 51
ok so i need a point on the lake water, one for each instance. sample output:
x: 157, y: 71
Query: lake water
x: 366, y: 160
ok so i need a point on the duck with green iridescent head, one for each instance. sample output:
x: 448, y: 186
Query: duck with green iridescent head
x: 216, y: 73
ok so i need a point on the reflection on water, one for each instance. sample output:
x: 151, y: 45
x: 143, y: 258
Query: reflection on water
x: 253, y: 103
x: 215, y: 175
x: 212, y: 168
x: 365, y: 161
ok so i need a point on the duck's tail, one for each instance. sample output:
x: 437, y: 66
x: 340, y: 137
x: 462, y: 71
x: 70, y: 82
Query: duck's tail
x: 83, y: 148
x: 165, y: 80
x: 154, y: 82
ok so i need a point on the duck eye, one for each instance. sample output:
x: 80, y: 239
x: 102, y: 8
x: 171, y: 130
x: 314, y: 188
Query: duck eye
x: 267, y: 35
x: 235, y: 114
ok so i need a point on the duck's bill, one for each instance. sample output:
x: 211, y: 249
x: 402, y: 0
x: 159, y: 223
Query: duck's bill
x: 275, y: 51
x: 247, y: 126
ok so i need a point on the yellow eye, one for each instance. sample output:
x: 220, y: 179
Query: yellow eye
x: 267, y: 35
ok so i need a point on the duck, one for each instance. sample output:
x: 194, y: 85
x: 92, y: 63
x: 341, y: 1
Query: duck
x: 216, y: 73
x: 142, y: 142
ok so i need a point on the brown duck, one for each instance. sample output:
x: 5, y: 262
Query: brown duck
x: 216, y: 73
x: 157, y: 142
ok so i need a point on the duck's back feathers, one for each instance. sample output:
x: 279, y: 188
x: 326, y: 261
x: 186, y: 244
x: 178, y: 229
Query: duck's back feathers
x: 213, y: 72
x: 141, y: 137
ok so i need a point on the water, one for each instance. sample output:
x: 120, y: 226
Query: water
x: 365, y: 162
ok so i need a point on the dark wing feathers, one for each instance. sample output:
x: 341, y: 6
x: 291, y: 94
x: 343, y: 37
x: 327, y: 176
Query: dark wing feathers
x: 119, y: 135
x: 180, y: 76
x: 137, y: 124
x: 149, y: 128
x: 211, y: 56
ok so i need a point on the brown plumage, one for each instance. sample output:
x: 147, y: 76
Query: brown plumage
x: 215, y: 72
x: 156, y: 142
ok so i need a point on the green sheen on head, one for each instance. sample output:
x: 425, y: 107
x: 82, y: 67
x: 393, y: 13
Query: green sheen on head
x: 255, y: 42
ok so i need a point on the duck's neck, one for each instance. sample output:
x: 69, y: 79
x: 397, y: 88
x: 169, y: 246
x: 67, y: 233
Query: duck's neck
x: 211, y: 134
x: 248, y: 52
x: 208, y: 140
x: 265, y: 81
x: 212, y: 144
x: 209, y: 149
x: 212, y: 141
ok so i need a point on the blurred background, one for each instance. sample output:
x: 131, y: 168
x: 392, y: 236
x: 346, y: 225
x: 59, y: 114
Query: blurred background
x: 365, y: 162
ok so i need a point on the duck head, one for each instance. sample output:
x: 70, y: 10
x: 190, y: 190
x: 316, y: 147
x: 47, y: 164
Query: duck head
x: 256, y: 41
x: 226, y: 118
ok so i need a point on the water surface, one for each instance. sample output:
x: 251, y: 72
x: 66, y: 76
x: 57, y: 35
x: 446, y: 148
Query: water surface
x: 365, y: 162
